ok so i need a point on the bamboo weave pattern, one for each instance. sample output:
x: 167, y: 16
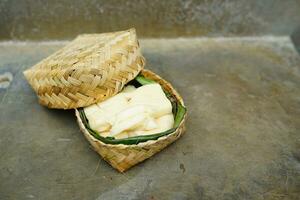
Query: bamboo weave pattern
x: 123, y: 157
x: 90, y: 69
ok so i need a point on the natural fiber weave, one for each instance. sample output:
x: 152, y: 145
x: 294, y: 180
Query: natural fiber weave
x: 121, y: 156
x: 90, y: 69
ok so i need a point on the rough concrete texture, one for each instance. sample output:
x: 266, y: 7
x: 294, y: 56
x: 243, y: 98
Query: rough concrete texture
x: 61, y: 19
x: 242, y: 140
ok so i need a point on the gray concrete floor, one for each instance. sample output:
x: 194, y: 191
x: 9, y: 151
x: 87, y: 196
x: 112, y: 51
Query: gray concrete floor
x: 242, y: 140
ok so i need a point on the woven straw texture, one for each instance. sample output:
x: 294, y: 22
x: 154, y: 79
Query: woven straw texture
x: 90, y: 69
x: 121, y: 156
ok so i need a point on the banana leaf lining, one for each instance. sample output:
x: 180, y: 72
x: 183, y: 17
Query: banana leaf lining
x: 178, y: 111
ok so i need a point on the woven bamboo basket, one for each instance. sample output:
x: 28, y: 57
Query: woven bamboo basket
x: 123, y: 157
x: 90, y: 69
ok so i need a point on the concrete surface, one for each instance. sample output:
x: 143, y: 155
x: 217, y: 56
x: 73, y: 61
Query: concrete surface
x: 242, y: 140
x: 61, y: 19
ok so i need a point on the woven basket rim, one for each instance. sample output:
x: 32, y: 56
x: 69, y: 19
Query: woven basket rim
x: 141, y: 144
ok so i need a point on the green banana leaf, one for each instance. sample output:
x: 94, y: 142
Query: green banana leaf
x: 177, y: 108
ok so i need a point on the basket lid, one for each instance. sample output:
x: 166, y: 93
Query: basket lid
x: 90, y: 69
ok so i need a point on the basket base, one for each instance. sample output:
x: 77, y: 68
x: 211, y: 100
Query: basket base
x: 122, y: 157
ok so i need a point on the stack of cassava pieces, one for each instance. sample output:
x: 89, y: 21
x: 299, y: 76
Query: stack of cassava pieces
x: 125, y: 126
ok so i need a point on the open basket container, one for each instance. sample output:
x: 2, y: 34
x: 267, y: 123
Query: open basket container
x: 93, y: 68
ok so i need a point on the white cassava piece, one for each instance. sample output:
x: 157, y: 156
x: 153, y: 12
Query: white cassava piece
x: 140, y: 111
x: 89, y: 69
x: 123, y: 157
